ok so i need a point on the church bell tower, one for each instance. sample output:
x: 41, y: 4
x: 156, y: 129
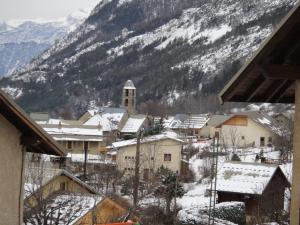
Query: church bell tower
x: 129, y: 97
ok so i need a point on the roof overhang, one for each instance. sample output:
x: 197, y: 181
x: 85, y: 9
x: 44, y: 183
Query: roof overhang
x: 271, y: 73
x: 33, y: 136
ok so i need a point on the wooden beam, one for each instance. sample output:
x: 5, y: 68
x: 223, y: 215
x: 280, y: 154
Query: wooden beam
x: 254, y: 88
x: 279, y: 93
x: 295, y: 198
x: 284, y: 72
x: 272, y: 89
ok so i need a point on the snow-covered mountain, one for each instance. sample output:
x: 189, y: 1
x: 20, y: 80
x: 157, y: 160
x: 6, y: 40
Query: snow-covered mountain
x: 173, y: 50
x: 21, y: 41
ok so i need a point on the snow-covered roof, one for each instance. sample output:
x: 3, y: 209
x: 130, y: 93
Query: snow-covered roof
x: 92, y: 112
x: 264, y: 120
x: 41, y: 176
x: 216, y: 120
x: 63, y: 132
x: 51, y: 121
x: 98, y: 119
x: 186, y: 121
x: 133, y: 124
x: 113, y: 114
x: 70, y: 208
x: 166, y: 121
x: 129, y: 85
x: 246, y: 178
x: 163, y: 136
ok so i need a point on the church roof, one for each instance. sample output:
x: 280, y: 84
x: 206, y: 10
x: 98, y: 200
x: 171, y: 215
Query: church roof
x: 129, y: 85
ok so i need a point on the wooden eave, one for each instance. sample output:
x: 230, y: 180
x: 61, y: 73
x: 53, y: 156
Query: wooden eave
x: 271, y: 73
x: 34, y: 138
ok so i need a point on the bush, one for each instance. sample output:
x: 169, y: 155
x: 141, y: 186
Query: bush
x: 235, y: 157
x: 226, y: 213
x: 231, y: 211
x: 196, y: 216
x: 127, y: 186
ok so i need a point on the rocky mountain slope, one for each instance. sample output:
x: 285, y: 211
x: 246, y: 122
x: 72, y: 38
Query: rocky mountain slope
x: 180, y: 52
x: 20, y: 41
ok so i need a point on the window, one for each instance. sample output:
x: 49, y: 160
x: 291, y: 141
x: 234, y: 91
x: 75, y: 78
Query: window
x: 262, y: 141
x: 217, y: 134
x: 126, y: 92
x: 152, y: 158
x: 196, y: 131
x: 125, y: 158
x: 126, y: 102
x: 243, y: 137
x: 63, y: 186
x: 270, y: 140
x: 69, y: 145
x: 167, y: 157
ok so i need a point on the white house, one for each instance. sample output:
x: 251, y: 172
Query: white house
x: 249, y: 129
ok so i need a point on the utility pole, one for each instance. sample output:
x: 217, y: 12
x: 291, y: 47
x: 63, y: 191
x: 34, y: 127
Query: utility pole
x: 137, y: 170
x: 175, y: 200
x: 213, y: 185
x: 85, y: 146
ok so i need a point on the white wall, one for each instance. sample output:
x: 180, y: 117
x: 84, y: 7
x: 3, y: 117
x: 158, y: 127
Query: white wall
x: 252, y: 133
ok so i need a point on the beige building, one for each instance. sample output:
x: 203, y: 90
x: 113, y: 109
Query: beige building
x: 156, y: 151
x: 93, y: 131
x: 77, y: 138
x: 60, y: 192
x: 44, y: 182
x: 18, y: 135
x: 249, y: 129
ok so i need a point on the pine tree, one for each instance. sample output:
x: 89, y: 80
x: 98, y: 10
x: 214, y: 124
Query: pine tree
x: 169, y: 187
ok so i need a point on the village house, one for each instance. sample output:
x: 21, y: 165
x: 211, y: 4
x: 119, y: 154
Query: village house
x: 77, y: 202
x: 272, y: 75
x: 49, y: 181
x: 188, y: 125
x: 18, y: 135
x: 156, y: 151
x: 210, y: 128
x: 249, y: 129
x: 134, y: 125
x: 260, y: 186
x: 78, y: 138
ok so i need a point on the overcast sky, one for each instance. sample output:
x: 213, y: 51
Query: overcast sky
x: 45, y: 9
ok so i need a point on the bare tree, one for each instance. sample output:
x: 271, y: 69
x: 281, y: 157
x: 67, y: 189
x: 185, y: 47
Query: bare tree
x: 104, y: 178
x: 50, y: 204
x: 285, y: 140
x: 234, y: 138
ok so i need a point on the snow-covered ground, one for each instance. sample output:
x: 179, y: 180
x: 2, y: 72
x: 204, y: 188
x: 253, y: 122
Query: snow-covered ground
x: 195, y: 199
